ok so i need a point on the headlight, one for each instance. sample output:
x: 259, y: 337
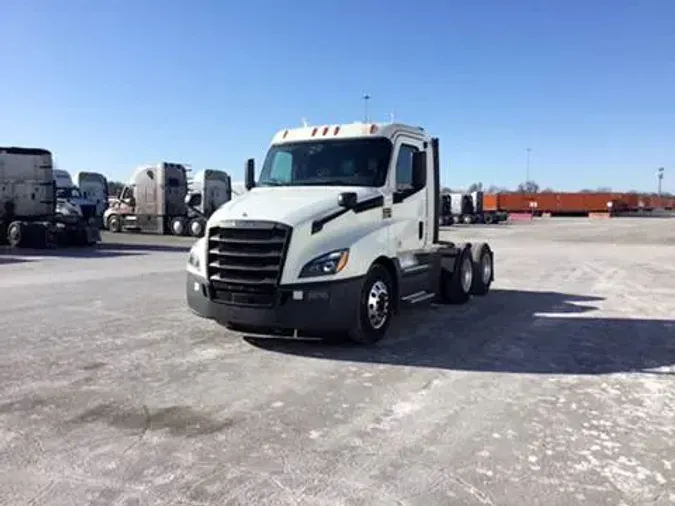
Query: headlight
x: 193, y: 259
x: 330, y: 263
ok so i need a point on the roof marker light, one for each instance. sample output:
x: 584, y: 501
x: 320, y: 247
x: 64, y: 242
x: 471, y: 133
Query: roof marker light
x: 336, y: 131
x: 314, y: 131
x: 285, y: 134
x: 325, y: 130
x: 373, y: 128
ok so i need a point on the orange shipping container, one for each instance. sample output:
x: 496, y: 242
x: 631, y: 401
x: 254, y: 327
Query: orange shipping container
x: 545, y: 202
x: 491, y: 202
x: 571, y: 203
x: 627, y: 200
x: 597, y: 202
x: 513, y: 202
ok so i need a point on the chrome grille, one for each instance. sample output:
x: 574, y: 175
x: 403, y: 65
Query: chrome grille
x: 244, y: 263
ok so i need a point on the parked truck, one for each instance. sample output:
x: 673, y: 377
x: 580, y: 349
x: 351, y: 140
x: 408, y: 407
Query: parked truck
x: 209, y: 190
x: 468, y: 208
x: 68, y: 195
x: 94, y: 187
x: 31, y: 214
x: 155, y: 199
x: 339, y: 232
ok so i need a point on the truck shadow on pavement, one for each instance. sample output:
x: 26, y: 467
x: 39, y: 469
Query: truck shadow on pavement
x: 507, y: 331
x: 103, y: 250
x: 7, y: 260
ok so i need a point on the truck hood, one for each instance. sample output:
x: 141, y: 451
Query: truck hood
x: 291, y: 205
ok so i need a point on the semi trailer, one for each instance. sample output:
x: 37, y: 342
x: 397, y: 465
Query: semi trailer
x: 31, y: 212
x: 338, y: 233
x: 157, y: 200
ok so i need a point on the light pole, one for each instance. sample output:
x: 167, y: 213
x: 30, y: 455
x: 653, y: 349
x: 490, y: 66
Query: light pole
x: 366, y: 97
x: 660, y: 178
x: 527, y: 165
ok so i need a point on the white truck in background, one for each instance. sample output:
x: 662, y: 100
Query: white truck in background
x: 339, y: 232
x: 94, y: 187
x: 69, y: 196
x: 209, y: 189
x: 30, y: 212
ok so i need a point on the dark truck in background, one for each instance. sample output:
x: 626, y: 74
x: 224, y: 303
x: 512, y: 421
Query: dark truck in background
x: 468, y: 208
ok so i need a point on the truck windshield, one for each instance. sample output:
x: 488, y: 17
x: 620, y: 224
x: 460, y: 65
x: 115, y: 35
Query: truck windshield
x: 68, y: 193
x: 344, y: 162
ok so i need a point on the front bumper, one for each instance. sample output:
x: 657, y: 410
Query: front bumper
x: 325, y: 306
x: 77, y: 233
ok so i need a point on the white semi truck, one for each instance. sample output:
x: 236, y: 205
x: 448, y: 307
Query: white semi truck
x: 86, y: 199
x: 209, y: 189
x: 94, y: 187
x: 31, y: 213
x: 340, y: 230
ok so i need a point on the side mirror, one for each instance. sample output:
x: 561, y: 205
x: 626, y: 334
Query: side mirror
x: 250, y: 173
x: 347, y: 200
x: 193, y: 200
x: 419, y: 169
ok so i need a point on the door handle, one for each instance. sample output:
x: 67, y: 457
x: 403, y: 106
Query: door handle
x: 420, y: 230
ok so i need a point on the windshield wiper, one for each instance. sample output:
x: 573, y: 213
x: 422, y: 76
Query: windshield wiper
x: 326, y: 182
x: 272, y: 182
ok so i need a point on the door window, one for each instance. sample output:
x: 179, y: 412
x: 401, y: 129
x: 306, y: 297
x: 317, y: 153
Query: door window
x: 404, y: 167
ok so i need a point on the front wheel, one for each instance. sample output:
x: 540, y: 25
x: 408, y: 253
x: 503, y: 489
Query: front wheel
x: 114, y: 223
x: 15, y: 234
x: 196, y: 227
x: 376, y: 307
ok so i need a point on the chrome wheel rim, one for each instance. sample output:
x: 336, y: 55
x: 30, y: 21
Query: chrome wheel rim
x: 196, y: 228
x: 486, y: 265
x: 466, y: 274
x: 378, y: 304
x: 14, y: 233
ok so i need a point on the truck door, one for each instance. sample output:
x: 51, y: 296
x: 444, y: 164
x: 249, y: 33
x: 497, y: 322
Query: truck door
x: 409, y: 210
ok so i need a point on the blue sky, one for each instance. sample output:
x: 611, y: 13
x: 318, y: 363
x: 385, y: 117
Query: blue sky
x: 589, y: 86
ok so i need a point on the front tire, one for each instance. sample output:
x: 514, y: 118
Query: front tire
x: 196, y: 227
x: 15, y: 234
x: 376, y: 307
x: 114, y: 223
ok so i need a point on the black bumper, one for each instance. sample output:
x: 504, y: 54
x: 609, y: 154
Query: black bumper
x: 321, y: 307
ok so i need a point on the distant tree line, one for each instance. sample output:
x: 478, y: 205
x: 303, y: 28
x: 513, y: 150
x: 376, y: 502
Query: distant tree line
x: 533, y: 187
x: 114, y: 188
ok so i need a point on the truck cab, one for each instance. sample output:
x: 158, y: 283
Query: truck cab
x: 340, y: 230
x: 152, y: 202
x: 69, y: 198
x: 39, y: 206
x: 94, y: 187
x: 209, y: 189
